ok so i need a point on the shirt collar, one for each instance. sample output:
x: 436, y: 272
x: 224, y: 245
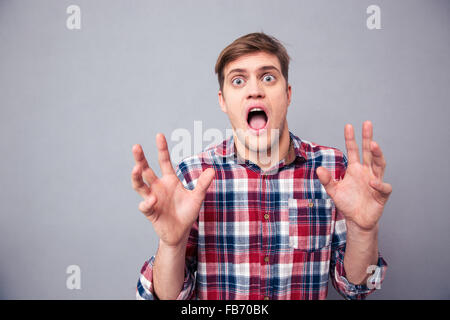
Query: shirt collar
x: 299, y: 146
x: 226, y: 148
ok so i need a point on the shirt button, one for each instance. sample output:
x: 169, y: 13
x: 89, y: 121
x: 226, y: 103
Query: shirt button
x: 266, y: 298
x: 266, y: 259
x: 266, y: 216
x: 311, y: 204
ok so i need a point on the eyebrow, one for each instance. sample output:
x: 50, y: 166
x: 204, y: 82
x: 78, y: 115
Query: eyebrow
x: 263, y: 68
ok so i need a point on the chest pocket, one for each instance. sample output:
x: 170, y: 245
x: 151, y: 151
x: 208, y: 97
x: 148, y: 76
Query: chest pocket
x: 310, y: 223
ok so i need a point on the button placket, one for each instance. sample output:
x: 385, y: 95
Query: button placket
x: 265, y: 223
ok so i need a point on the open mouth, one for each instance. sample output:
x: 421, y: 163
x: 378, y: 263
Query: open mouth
x: 257, y: 118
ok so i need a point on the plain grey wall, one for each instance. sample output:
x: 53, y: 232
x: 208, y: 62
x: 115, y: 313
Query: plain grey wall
x: 73, y: 102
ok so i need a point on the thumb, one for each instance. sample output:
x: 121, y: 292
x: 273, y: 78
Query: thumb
x: 327, y: 181
x: 203, y: 182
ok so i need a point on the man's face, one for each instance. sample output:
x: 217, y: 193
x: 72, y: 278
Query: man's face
x: 255, y: 98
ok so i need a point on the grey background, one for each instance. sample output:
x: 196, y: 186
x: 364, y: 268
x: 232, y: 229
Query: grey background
x: 74, y: 102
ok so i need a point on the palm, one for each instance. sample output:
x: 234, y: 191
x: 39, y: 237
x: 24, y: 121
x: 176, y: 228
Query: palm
x: 175, y: 210
x: 361, y: 195
x: 170, y: 207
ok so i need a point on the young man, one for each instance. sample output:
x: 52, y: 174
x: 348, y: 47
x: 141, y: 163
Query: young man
x: 233, y: 225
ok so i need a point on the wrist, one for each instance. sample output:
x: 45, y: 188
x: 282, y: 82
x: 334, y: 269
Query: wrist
x: 357, y: 233
x: 174, y: 248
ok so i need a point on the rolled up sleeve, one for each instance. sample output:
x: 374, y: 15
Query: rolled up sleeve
x: 145, y: 290
x: 349, y: 290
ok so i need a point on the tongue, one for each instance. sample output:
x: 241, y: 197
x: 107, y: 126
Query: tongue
x: 257, y: 121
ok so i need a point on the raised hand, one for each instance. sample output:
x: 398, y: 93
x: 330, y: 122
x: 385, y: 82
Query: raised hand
x: 362, y: 194
x: 170, y: 207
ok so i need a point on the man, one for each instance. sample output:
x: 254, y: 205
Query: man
x: 233, y: 225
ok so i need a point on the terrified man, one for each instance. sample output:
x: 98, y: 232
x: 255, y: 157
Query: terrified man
x: 263, y: 214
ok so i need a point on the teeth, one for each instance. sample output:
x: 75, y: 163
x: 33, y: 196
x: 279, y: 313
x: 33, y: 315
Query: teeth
x: 256, y: 109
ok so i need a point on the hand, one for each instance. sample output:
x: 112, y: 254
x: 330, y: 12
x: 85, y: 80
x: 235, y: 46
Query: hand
x: 362, y: 194
x: 171, y: 208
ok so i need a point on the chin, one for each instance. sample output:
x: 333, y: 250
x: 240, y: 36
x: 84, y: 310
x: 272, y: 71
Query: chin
x: 266, y: 140
x: 258, y: 144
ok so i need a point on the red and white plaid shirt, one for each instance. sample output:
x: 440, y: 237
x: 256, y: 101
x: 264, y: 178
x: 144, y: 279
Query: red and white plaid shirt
x: 265, y: 235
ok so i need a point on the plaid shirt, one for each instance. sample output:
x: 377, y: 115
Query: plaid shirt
x: 265, y: 235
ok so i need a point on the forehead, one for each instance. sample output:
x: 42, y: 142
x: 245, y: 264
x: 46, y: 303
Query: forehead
x: 253, y: 61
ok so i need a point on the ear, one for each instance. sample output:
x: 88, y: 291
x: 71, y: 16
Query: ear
x: 289, y: 94
x: 222, y: 102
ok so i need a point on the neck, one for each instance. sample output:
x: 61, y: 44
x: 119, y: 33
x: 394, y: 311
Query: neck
x: 280, y: 150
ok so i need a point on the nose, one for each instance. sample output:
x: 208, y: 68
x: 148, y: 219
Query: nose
x: 255, y: 89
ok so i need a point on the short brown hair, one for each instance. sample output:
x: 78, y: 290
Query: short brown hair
x: 250, y: 43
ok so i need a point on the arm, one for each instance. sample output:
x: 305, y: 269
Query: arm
x: 146, y: 288
x: 172, y: 209
x: 360, y: 253
x: 168, y: 270
x: 351, y: 289
x: 360, y: 198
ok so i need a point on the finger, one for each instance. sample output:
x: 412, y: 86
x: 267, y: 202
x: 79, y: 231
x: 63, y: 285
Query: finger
x: 147, y: 206
x: 204, y: 182
x: 138, y: 184
x: 367, y: 134
x: 351, y: 145
x: 141, y: 161
x: 378, y: 161
x: 385, y: 189
x: 163, y: 155
x: 327, y: 181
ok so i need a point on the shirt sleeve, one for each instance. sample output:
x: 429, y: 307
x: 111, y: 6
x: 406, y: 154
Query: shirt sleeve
x: 145, y: 290
x: 337, y: 272
x: 349, y: 290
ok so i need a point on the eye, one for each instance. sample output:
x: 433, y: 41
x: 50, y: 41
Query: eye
x: 237, y: 81
x: 268, y: 78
